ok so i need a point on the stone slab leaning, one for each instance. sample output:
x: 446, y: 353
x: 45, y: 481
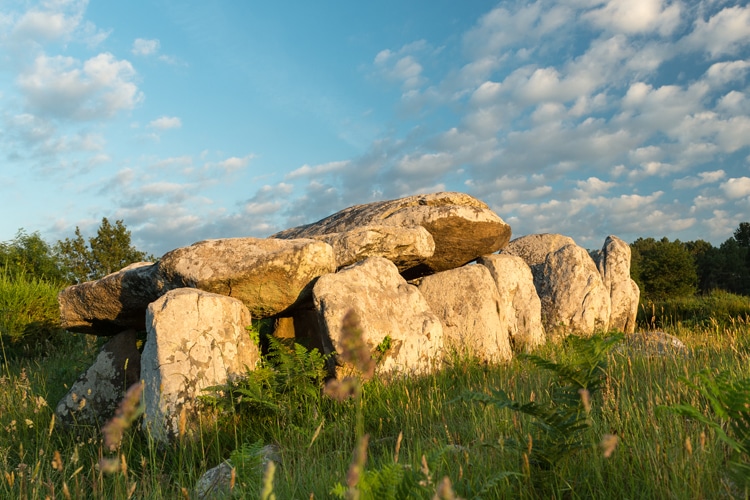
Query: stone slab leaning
x: 462, y: 227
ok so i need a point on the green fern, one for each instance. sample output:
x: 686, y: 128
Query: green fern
x: 287, y: 379
x: 564, y: 420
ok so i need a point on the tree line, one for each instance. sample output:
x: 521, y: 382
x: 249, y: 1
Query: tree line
x: 662, y: 268
x: 667, y: 269
x: 72, y: 260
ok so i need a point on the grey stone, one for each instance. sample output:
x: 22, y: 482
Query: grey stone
x: 467, y: 302
x: 93, y: 398
x: 462, y: 227
x: 388, y: 307
x: 196, y: 339
x: 406, y: 247
x: 613, y: 262
x: 111, y: 304
x: 270, y: 276
x: 520, y: 308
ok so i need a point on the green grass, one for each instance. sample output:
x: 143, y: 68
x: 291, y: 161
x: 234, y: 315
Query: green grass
x: 716, y: 308
x: 659, y: 454
x: 29, y: 312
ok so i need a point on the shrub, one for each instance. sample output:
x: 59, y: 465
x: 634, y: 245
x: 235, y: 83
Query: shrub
x: 29, y: 311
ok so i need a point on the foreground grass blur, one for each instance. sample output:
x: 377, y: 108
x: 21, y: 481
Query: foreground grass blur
x: 425, y: 424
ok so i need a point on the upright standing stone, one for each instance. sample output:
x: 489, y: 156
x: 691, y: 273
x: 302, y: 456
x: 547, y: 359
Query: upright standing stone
x: 467, y: 302
x: 93, y: 398
x: 520, y: 307
x: 391, y: 311
x: 196, y: 339
x: 574, y: 299
x: 614, y: 266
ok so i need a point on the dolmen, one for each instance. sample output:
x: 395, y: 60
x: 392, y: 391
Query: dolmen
x: 427, y: 275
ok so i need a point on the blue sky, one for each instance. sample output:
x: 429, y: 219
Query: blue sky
x: 192, y: 120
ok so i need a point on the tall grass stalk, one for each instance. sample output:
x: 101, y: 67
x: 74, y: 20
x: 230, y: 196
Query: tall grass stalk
x: 412, y: 421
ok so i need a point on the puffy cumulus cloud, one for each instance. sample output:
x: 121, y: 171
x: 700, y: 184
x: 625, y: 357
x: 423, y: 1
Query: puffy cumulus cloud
x: 312, y: 171
x: 725, y: 72
x: 165, y: 123
x: 402, y: 65
x: 62, y: 87
x: 593, y: 185
x: 652, y: 169
x: 661, y: 110
x: 736, y: 187
x: 734, y: 103
x: 691, y: 182
x: 268, y: 200
x: 724, y: 33
x: 427, y: 165
x: 41, y: 141
x: 636, y: 16
x: 52, y: 21
x: 728, y: 135
x: 502, y: 29
x: 145, y: 46
x: 231, y: 164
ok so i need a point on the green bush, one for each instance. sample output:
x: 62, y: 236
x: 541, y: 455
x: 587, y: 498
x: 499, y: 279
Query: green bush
x: 29, y: 311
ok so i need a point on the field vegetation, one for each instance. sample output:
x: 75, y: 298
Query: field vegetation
x: 584, y: 418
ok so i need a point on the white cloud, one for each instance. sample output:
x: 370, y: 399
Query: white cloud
x: 61, y: 87
x: 723, y: 34
x: 593, y: 185
x: 232, y: 164
x: 501, y: 28
x: 636, y: 16
x: 402, y: 66
x: 699, y: 180
x: 165, y: 123
x: 737, y: 187
x: 53, y: 21
x: 428, y: 165
x: 145, y: 47
x: 45, y: 26
x: 725, y: 72
x: 324, y: 168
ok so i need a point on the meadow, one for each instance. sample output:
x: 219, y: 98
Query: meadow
x: 593, y: 418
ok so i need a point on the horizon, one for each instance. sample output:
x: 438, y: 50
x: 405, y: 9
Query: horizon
x: 191, y: 121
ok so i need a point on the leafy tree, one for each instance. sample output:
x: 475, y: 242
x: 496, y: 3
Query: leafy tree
x: 742, y: 234
x: 734, y: 272
x: 708, y: 262
x: 109, y: 251
x: 29, y: 255
x: 663, y: 269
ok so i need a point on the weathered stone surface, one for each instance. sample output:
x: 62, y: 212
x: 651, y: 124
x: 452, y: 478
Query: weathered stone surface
x: 467, y: 302
x: 613, y: 262
x: 387, y: 307
x: 462, y: 227
x: 268, y: 275
x: 93, y: 398
x: 404, y: 246
x: 217, y: 482
x: 534, y: 248
x: 520, y: 307
x: 196, y: 339
x: 111, y: 304
x: 650, y: 344
x: 574, y: 298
